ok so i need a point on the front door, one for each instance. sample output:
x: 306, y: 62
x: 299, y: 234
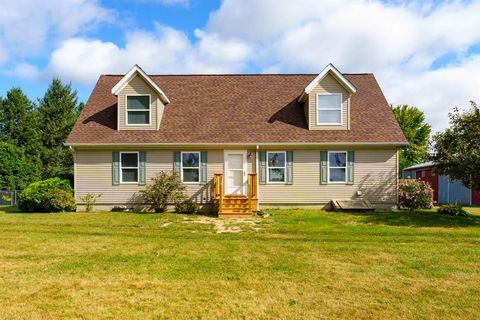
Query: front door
x: 235, y: 172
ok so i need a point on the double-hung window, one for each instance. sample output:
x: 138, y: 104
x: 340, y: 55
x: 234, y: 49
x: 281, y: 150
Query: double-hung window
x: 329, y: 108
x: 276, y: 166
x: 337, y: 166
x: 129, y: 167
x: 138, y: 110
x: 190, y: 167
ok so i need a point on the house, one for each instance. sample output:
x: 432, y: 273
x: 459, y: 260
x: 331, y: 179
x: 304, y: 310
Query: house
x: 445, y: 190
x: 239, y: 142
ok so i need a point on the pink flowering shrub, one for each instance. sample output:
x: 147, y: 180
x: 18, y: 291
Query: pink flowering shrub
x: 414, y: 194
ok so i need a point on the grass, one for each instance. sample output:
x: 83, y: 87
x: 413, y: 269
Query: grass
x: 295, y: 264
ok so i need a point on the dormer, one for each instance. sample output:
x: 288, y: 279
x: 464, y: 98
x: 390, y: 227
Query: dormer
x: 327, y: 101
x: 140, y: 101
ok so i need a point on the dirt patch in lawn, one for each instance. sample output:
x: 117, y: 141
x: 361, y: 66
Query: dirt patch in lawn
x: 230, y: 225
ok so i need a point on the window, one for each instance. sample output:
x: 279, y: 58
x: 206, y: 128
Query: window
x: 276, y: 166
x: 190, y: 167
x: 138, y: 110
x: 423, y: 173
x: 329, y: 108
x: 337, y: 166
x: 129, y: 167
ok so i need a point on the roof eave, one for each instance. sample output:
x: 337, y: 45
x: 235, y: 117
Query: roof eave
x: 330, y: 68
x: 136, y: 69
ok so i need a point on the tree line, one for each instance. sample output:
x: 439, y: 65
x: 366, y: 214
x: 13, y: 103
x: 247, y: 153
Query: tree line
x: 32, y: 135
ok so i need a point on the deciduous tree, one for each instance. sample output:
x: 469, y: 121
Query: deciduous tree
x: 457, y: 149
x: 416, y: 130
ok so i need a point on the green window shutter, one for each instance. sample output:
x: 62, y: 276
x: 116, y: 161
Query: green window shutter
x: 289, y: 173
x: 116, y: 168
x: 203, y: 167
x: 176, y: 163
x: 263, y: 167
x: 323, y: 167
x: 350, y: 166
x: 142, y: 168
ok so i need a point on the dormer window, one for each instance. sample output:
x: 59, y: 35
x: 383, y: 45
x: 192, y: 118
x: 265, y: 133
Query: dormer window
x: 138, y: 110
x: 329, y: 108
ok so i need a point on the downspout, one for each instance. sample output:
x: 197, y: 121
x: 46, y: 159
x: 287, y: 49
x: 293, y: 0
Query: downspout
x: 258, y: 184
x: 74, y: 172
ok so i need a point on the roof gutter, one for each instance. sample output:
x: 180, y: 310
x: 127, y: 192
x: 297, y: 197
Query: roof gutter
x: 252, y: 144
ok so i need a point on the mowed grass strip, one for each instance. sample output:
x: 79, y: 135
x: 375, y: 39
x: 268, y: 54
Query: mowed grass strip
x: 306, y: 264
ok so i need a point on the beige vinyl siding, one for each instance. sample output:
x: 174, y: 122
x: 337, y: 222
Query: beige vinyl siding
x: 328, y: 85
x: 138, y: 86
x: 375, y: 177
x: 94, y: 174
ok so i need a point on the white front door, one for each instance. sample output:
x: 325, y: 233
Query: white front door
x: 235, y: 172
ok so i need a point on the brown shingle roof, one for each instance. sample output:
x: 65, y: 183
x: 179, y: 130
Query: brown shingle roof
x: 237, y: 109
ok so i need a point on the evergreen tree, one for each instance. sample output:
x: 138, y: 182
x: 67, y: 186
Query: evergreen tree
x: 18, y: 122
x: 16, y: 169
x: 57, y: 113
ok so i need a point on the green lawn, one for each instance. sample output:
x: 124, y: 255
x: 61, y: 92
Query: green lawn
x: 296, y: 264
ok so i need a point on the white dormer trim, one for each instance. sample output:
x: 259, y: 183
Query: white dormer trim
x: 131, y: 74
x: 337, y: 75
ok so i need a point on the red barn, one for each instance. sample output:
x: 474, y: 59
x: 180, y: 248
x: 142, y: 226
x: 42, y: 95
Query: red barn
x: 445, y: 190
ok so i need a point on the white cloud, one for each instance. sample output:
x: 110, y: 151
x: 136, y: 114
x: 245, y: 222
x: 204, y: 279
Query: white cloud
x: 26, y: 27
x: 164, y: 51
x: 26, y: 71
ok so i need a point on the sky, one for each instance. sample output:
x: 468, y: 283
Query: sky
x: 423, y: 53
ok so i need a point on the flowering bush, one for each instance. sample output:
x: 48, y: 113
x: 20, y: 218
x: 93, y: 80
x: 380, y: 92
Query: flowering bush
x: 415, y: 194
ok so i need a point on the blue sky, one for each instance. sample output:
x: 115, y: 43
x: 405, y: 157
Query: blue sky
x: 424, y: 53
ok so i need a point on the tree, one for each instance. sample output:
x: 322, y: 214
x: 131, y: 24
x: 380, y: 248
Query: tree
x: 57, y: 113
x: 457, y: 149
x: 416, y: 130
x: 16, y: 169
x: 18, y: 123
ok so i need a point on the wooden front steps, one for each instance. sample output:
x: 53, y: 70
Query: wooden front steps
x: 235, y: 205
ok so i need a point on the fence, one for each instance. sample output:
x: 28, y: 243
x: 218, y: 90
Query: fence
x: 9, y: 198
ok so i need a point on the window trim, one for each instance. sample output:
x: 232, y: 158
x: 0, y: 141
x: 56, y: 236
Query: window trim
x: 284, y: 168
x: 138, y: 167
x: 346, y: 167
x: 149, y: 109
x: 327, y: 109
x: 182, y: 167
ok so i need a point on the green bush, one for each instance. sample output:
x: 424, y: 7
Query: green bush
x: 165, y: 188
x: 50, y: 195
x: 186, y: 205
x: 452, y: 210
x: 415, y: 194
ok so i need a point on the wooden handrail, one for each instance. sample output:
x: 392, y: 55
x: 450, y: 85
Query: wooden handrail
x: 251, y: 190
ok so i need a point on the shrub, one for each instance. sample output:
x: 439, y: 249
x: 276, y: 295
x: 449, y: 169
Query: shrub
x: 185, y: 205
x: 452, y: 210
x: 415, y: 194
x: 165, y: 188
x: 90, y: 199
x: 50, y: 195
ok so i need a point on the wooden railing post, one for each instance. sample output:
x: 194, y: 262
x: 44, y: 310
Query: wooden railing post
x: 252, y: 191
x: 218, y: 190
